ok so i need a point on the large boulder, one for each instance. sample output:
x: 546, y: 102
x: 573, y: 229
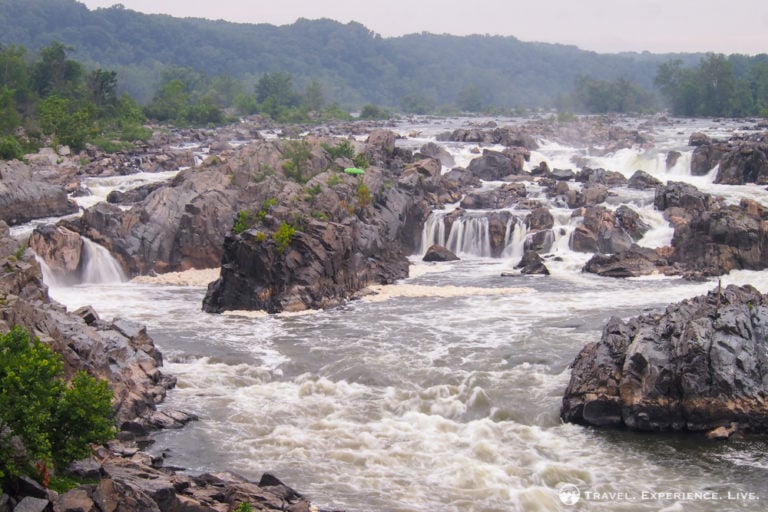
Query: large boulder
x: 696, y: 366
x: 495, y: 165
x: 24, y: 197
x: 747, y: 163
x: 439, y: 253
x: 599, y: 231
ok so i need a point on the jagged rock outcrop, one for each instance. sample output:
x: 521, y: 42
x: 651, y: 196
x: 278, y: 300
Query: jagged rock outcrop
x: 600, y: 231
x: 746, y: 163
x: 25, y: 196
x: 696, y: 366
x: 330, y: 256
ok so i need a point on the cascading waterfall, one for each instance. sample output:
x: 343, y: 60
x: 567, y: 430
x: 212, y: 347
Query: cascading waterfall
x: 98, y: 265
x: 514, y: 240
x: 470, y: 236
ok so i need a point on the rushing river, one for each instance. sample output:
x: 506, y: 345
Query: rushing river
x: 441, y: 392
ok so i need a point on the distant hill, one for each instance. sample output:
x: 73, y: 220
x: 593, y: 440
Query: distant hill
x: 353, y: 64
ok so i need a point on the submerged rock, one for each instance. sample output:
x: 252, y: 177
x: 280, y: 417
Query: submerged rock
x: 697, y: 366
x: 439, y: 253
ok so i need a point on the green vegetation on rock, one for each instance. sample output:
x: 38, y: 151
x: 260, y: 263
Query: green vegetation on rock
x: 43, y: 418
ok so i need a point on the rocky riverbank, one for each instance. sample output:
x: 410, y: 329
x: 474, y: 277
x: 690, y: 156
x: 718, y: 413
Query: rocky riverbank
x: 124, y: 477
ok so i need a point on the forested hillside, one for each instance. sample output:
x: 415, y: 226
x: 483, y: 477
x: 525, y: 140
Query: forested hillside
x: 353, y: 65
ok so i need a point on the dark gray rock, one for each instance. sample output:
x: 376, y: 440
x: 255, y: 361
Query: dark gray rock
x: 532, y: 264
x: 641, y: 180
x: 747, y: 163
x: 633, y: 262
x: 439, y: 253
x: 697, y: 366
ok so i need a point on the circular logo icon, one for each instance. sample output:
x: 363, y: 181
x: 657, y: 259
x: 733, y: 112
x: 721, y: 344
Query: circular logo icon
x: 569, y: 494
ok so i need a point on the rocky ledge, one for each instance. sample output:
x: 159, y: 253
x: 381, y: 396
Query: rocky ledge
x: 699, y: 365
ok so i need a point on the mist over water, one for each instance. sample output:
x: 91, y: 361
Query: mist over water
x: 441, y: 392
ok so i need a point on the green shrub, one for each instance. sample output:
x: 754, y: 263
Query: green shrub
x: 343, y: 149
x: 10, y: 149
x: 243, y: 222
x: 55, y: 420
x: 283, y: 236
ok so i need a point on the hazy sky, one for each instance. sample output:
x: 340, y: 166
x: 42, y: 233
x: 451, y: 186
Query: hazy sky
x: 723, y: 26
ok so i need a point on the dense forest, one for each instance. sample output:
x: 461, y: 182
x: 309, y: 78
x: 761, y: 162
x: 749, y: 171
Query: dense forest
x: 73, y: 76
x: 353, y: 65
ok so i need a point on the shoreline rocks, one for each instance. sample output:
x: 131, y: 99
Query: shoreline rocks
x: 697, y: 366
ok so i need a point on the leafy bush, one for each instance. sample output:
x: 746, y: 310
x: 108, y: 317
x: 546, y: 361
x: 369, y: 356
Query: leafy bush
x: 243, y: 222
x: 10, y: 148
x: 343, y: 149
x: 54, y: 420
x: 283, y: 236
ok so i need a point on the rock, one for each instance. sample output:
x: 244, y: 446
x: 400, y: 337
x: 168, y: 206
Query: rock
x: 383, y: 138
x: 706, y: 156
x: 722, y: 433
x: 722, y: 238
x: 432, y: 150
x: 699, y: 139
x: 600, y: 231
x: 672, y: 158
x: 697, y: 366
x: 531, y: 263
x: 59, y: 247
x: 602, y: 177
x: 681, y: 195
x: 539, y: 219
x: 633, y: 262
x: 504, y: 196
x: 24, y: 197
x: 630, y: 222
x: 439, y: 253
x: 134, y: 195
x: 641, y: 180
x: 747, y: 163
x: 563, y: 174
x: 495, y: 165
x: 76, y: 500
x: 30, y: 504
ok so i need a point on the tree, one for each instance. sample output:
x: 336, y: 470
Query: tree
x: 102, y: 88
x: 55, y: 420
x: 313, y: 96
x: 55, y: 73
x: 277, y: 87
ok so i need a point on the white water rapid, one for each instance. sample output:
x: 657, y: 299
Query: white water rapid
x: 443, y: 392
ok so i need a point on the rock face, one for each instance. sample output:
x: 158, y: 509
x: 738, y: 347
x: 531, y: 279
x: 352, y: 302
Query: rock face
x: 697, y: 366
x: 24, y: 196
x: 495, y: 165
x: 747, y: 163
x: 364, y: 230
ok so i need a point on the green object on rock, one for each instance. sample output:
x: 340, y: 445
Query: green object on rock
x: 354, y: 170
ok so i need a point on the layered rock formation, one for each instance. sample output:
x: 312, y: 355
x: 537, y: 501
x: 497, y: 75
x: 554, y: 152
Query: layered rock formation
x: 699, y: 365
x: 346, y: 234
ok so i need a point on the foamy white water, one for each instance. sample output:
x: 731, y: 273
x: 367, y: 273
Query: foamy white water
x: 443, y: 392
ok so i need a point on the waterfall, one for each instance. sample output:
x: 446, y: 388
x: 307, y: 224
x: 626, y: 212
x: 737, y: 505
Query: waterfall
x: 433, y: 231
x: 470, y: 236
x: 98, y: 265
x: 514, y: 240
